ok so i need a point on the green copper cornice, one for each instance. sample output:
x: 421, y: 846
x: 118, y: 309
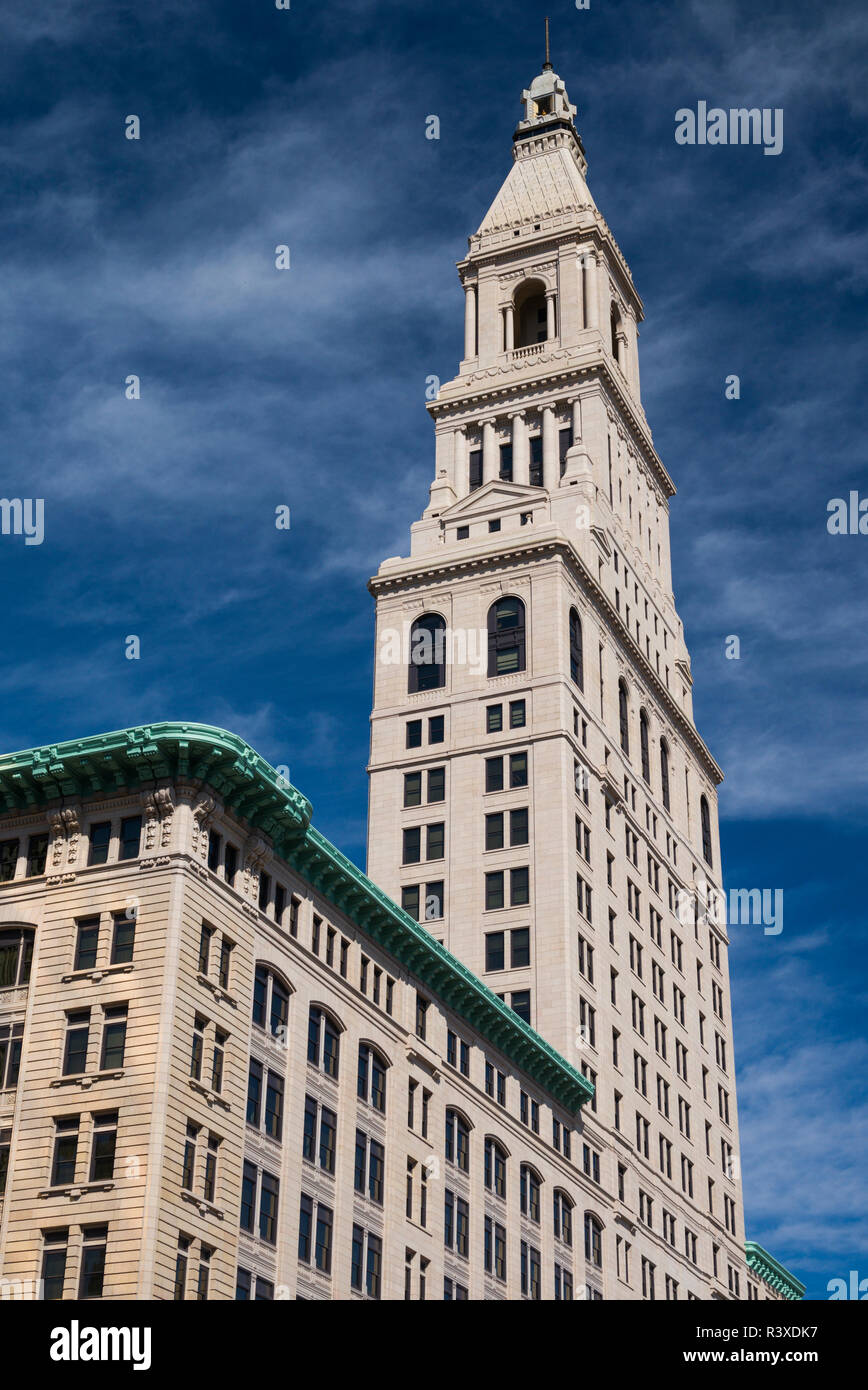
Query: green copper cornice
x: 139, y: 758
x: 766, y: 1267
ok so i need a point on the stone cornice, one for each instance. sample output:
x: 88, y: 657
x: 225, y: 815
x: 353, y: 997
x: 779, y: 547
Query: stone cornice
x: 432, y: 569
x: 249, y: 787
x: 767, y: 1268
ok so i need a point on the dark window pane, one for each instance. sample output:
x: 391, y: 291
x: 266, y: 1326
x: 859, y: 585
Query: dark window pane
x: 100, y: 839
x: 37, y: 852
x: 131, y: 834
x: 494, y: 951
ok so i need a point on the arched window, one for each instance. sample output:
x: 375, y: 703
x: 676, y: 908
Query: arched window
x: 705, y: 818
x: 323, y: 1041
x: 529, y: 1190
x: 16, y: 957
x: 427, y: 654
x: 506, y: 637
x: 530, y: 312
x: 614, y: 325
x: 371, y: 1084
x: 593, y: 1240
x: 577, y: 663
x: 622, y: 717
x: 563, y: 1217
x: 644, y: 746
x: 495, y: 1168
x: 457, y: 1140
x: 270, y: 1001
x: 664, y: 772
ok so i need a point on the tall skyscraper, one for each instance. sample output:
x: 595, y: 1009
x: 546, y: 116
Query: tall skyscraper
x: 539, y: 794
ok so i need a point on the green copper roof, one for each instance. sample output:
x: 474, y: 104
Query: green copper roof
x: 252, y: 789
x: 766, y: 1267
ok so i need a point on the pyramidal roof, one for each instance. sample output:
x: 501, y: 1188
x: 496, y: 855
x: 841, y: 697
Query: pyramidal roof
x: 538, y: 185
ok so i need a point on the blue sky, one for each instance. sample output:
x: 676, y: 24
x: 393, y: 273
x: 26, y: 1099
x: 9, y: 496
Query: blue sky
x: 156, y: 258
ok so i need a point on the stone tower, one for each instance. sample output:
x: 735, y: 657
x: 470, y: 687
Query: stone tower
x: 539, y: 793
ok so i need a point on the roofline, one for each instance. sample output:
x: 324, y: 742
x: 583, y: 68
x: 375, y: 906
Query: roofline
x: 772, y: 1271
x: 138, y: 758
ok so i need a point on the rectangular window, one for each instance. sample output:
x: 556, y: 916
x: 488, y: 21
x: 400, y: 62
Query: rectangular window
x: 520, y: 1003
x: 65, y: 1151
x: 100, y: 839
x: 536, y: 476
x: 5, y: 1146
x: 215, y: 842
x: 131, y: 835
x: 520, y: 948
x: 268, y: 1199
x: 410, y: 900
x: 412, y: 845
x: 248, y: 1197
x: 123, y: 937
x: 494, y: 830
x: 226, y: 947
x: 210, y: 1184
x: 198, y: 1048
x: 264, y: 891
x: 434, y: 900
x: 205, y: 948
x: 37, y: 852
x: 518, y: 827
x: 437, y: 784
x: 279, y: 903
x: 323, y: 1242
x: 54, y: 1264
x: 518, y: 769
x: 274, y: 1106
x: 495, y: 958
x: 230, y: 865
x: 494, y: 774
x: 75, y: 1045
x: 436, y: 728
x: 414, y: 733
x: 412, y: 789
x: 435, y: 841
x: 254, y: 1092
x: 493, y: 720
x: 8, y: 860
x: 217, y: 1059
x: 181, y: 1259
x: 86, y: 943
x: 93, y: 1250
x: 494, y: 891
x: 421, y: 1015
x: 519, y: 887
x: 517, y: 714
x: 114, y: 1037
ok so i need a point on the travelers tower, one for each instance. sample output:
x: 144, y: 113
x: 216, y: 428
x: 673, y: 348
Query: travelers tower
x: 539, y: 794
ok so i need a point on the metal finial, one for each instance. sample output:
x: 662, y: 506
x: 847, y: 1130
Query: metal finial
x: 548, y: 59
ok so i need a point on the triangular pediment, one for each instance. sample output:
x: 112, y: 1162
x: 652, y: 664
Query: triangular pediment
x: 491, y: 497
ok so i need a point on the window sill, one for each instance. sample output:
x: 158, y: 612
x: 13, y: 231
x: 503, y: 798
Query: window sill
x: 77, y: 1190
x: 204, y: 1208
x: 86, y: 1080
x: 96, y: 975
x: 210, y: 1097
x: 220, y: 994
